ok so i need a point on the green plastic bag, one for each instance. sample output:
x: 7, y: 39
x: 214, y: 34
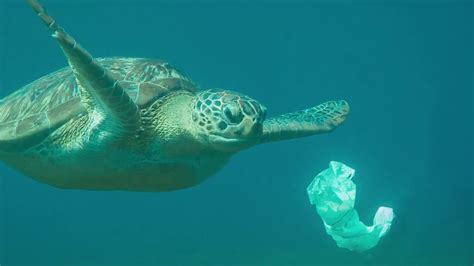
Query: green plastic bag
x: 334, y: 193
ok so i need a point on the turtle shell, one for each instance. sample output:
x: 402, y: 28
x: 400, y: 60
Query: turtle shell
x: 30, y: 114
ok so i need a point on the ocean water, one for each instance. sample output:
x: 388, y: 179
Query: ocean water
x: 405, y: 67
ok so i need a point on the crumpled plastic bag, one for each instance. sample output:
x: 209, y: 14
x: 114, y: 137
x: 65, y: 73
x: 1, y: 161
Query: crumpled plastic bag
x: 334, y: 194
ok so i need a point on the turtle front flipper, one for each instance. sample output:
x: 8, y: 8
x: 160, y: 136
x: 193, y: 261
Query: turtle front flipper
x: 106, y: 91
x: 319, y: 119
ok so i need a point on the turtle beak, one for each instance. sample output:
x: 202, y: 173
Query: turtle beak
x: 252, y: 128
x: 257, y: 128
x: 248, y: 135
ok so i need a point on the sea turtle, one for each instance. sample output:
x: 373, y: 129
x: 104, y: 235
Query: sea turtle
x: 135, y: 124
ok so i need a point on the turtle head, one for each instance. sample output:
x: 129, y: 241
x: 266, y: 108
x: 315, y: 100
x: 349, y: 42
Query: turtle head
x: 230, y: 121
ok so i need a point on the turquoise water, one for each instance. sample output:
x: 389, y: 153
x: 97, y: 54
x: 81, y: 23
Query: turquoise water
x: 406, y: 69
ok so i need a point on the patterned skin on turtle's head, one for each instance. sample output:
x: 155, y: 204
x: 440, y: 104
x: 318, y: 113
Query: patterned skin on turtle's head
x: 232, y: 121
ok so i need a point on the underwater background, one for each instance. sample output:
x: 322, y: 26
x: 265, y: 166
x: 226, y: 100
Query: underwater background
x: 405, y: 67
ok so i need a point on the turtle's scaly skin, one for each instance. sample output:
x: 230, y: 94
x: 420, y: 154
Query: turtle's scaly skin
x: 135, y: 124
x: 324, y: 117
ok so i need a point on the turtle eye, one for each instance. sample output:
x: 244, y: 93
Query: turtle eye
x: 233, y: 114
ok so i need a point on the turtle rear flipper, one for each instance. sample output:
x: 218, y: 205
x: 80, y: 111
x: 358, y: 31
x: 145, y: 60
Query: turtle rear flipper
x: 319, y: 119
x: 108, y: 94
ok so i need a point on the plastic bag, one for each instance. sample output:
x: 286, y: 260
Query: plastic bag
x: 334, y: 193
